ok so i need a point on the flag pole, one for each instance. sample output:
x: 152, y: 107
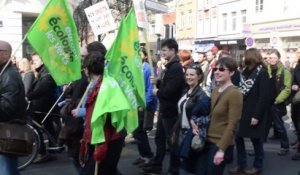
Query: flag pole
x: 96, y: 168
x: 13, y: 55
x: 85, y: 92
x: 45, y: 118
x: 149, y: 55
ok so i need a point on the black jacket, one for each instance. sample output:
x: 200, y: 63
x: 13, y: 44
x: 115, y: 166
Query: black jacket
x: 256, y: 104
x: 170, y: 88
x: 42, y: 92
x: 198, y: 103
x: 296, y: 75
x: 12, y: 94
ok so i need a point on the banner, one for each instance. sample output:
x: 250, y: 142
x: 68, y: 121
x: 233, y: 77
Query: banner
x: 141, y: 15
x: 100, y: 18
x: 54, y: 37
x: 124, y: 76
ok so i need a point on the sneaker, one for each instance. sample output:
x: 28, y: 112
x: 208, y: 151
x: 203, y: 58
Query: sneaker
x: 138, y: 161
x: 252, y: 171
x: 150, y: 163
x: 151, y: 170
x: 283, y: 152
x: 41, y: 158
x: 236, y: 170
x: 147, y: 162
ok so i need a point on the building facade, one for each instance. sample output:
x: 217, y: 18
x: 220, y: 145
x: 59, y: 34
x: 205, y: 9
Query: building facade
x: 221, y: 23
x: 276, y: 24
x: 186, y: 12
x: 16, y: 17
x: 235, y: 25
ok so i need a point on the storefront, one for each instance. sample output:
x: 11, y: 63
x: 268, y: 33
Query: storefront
x: 202, y: 46
x: 235, y: 46
x: 187, y: 44
x: 281, y: 35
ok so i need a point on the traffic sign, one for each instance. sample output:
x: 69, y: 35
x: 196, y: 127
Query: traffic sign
x: 249, y: 41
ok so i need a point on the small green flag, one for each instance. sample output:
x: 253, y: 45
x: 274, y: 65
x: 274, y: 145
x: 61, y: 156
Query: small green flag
x: 124, y: 72
x: 54, y: 37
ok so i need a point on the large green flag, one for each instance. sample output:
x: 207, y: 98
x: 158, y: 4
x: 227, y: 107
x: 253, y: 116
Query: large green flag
x: 124, y: 77
x: 54, y: 37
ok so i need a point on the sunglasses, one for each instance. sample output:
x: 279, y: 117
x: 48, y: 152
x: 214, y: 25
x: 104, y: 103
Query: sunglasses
x: 221, y: 69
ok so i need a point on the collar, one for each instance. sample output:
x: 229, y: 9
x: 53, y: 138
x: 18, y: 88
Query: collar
x: 176, y: 59
x: 3, y: 65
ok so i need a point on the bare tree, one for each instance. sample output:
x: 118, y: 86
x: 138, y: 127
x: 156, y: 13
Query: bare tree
x: 119, y: 9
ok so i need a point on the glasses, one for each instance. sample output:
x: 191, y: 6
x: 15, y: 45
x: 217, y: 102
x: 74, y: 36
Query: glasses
x: 195, y: 66
x: 221, y: 69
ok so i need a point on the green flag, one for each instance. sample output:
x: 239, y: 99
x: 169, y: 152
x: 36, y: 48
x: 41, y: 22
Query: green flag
x: 54, y: 37
x: 125, y: 68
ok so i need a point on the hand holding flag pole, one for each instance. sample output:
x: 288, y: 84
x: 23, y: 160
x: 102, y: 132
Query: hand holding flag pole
x: 83, y: 96
x: 149, y: 56
x: 51, y: 109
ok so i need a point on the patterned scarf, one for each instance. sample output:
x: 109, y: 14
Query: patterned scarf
x: 247, y: 84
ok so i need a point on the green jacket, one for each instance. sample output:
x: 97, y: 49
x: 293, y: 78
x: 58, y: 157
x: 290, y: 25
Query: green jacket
x: 286, y: 87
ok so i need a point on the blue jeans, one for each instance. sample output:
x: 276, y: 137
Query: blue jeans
x: 8, y: 165
x: 205, y: 162
x: 279, y: 127
x: 242, y: 155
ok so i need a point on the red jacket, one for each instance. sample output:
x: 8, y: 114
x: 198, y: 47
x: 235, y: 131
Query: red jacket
x: 110, y: 132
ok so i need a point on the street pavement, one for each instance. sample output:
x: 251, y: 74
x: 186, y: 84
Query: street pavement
x: 273, y: 164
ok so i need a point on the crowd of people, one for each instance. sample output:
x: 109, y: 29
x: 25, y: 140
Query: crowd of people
x: 214, y: 99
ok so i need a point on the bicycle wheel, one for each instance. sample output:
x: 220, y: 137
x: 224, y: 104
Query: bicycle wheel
x: 25, y: 161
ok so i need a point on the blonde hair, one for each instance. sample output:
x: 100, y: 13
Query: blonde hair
x: 26, y: 64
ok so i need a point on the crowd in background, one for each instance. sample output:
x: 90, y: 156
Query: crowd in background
x: 215, y: 97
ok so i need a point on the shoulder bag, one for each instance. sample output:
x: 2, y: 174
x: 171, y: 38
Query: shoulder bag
x: 16, y: 138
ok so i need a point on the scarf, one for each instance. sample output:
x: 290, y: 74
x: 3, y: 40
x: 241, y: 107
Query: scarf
x: 246, y: 84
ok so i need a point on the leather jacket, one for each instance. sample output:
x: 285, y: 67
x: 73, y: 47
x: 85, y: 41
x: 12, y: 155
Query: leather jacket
x: 12, y: 94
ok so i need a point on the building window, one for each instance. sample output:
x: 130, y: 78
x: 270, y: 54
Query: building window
x: 207, y: 4
x: 259, y: 5
x: 152, y: 29
x: 190, y: 18
x: 182, y: 20
x: 169, y: 31
x: 207, y: 24
x: 224, y: 18
x: 244, y: 16
x: 233, y: 17
x: 200, y: 25
x: 286, y: 5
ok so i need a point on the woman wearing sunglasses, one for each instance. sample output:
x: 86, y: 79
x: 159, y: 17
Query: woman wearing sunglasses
x: 254, y: 86
x: 226, y: 109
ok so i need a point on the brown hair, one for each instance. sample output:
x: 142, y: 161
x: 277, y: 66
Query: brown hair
x: 276, y: 52
x: 252, y: 58
x: 227, y: 62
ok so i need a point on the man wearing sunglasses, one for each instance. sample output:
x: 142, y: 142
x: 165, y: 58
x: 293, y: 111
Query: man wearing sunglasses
x: 12, y: 102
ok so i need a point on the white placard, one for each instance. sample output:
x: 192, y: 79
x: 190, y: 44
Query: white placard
x: 100, y: 18
x: 140, y: 13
